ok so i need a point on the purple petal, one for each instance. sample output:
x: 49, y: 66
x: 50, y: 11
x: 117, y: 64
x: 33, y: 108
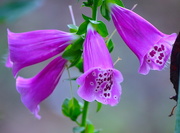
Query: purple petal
x: 9, y: 63
x: 29, y: 48
x: 100, y: 81
x: 95, y: 52
x: 157, y: 56
x: 34, y: 90
x: 141, y: 37
x: 100, y: 84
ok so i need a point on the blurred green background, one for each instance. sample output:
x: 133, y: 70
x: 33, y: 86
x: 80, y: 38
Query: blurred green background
x: 144, y: 105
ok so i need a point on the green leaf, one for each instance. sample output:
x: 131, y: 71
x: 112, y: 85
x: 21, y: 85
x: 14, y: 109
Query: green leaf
x: 78, y: 129
x: 65, y: 107
x: 79, y: 65
x: 72, y: 28
x: 86, y: 18
x: 100, y: 27
x: 110, y: 45
x: 89, y: 128
x: 99, y: 106
x: 99, y: 3
x: 119, y: 2
x: 82, y: 28
x: 71, y: 108
x: 89, y: 3
x: 15, y: 9
x: 73, y: 53
x: 104, y: 11
x: 76, y: 59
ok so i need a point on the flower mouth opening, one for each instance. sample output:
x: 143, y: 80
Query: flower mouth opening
x: 157, y: 55
x: 103, y: 82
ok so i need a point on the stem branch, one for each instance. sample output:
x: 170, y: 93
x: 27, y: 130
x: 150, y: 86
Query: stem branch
x: 94, y: 10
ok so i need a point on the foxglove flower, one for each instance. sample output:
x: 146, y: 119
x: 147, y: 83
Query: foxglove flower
x: 29, y: 48
x: 151, y: 46
x: 33, y: 47
x: 34, y: 90
x: 100, y: 80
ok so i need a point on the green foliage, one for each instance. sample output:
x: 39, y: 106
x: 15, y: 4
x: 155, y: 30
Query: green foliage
x: 89, y: 3
x: 71, y: 108
x: 15, y: 9
x: 73, y: 53
x: 99, y: 106
x: 119, y: 2
x: 79, y: 65
x: 72, y: 28
x: 89, y: 128
x: 110, y: 45
x: 82, y: 28
x: 100, y: 27
x: 100, y: 2
x: 104, y: 11
x: 86, y: 18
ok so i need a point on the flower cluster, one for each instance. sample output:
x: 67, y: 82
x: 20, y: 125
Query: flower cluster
x: 33, y: 47
x: 100, y: 80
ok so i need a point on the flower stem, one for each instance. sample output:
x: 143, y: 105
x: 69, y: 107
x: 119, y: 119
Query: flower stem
x: 86, y: 103
x: 85, y: 114
x: 71, y: 90
x: 94, y: 9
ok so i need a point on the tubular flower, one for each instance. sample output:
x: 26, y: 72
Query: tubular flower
x: 29, y: 48
x: 33, y: 47
x: 100, y: 80
x: 151, y: 46
x: 34, y: 90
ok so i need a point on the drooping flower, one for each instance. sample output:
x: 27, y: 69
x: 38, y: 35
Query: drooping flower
x: 151, y: 46
x: 33, y: 47
x: 100, y: 80
x: 34, y: 90
x: 29, y: 48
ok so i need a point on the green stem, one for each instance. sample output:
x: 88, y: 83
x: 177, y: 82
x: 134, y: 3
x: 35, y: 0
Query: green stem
x: 94, y: 10
x: 70, y: 81
x: 86, y: 103
x: 85, y: 113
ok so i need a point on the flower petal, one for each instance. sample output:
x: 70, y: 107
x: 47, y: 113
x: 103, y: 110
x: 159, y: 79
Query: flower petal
x: 100, y: 84
x: 95, y: 52
x: 157, y: 56
x: 141, y: 37
x: 34, y: 90
x: 100, y: 80
x: 29, y: 48
x: 9, y: 63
